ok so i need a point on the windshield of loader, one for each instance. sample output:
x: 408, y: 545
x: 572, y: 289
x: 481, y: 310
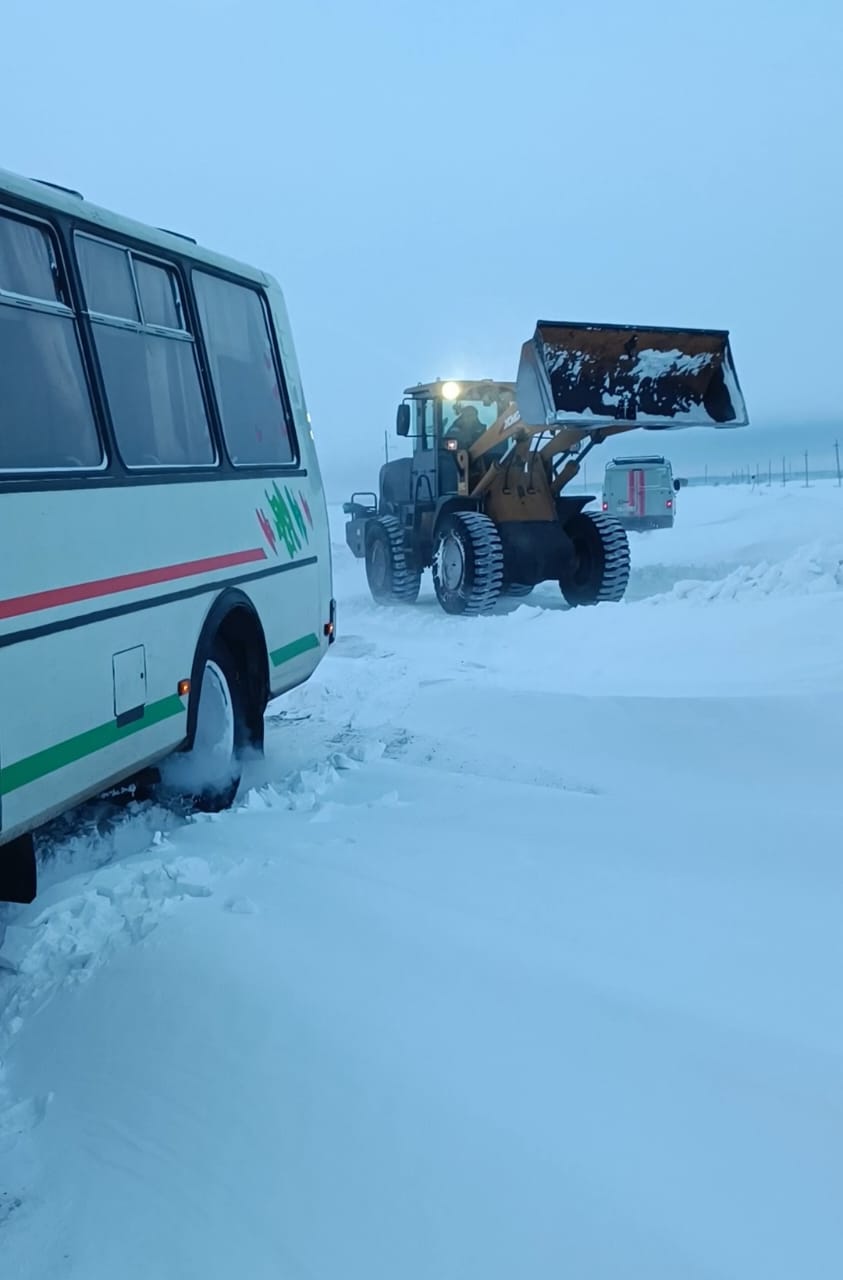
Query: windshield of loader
x: 466, y: 420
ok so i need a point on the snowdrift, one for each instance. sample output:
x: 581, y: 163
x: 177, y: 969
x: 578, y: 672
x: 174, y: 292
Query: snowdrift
x: 813, y: 570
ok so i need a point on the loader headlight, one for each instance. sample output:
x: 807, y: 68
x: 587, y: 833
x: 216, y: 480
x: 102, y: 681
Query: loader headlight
x: 451, y: 390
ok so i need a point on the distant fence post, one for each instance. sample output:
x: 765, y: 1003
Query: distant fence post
x: 806, y: 468
x: 837, y: 456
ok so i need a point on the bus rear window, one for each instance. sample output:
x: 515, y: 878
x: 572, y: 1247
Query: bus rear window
x: 46, y: 415
x: 240, y: 353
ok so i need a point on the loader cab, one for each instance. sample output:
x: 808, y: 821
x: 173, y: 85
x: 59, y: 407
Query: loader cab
x: 442, y: 417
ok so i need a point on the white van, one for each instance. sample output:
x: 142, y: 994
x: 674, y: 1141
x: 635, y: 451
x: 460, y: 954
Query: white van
x: 640, y: 492
x: 165, y: 562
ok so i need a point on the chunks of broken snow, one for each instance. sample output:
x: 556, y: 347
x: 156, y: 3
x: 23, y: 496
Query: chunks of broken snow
x: 813, y: 570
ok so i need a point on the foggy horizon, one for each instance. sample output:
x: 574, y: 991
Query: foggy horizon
x: 426, y: 186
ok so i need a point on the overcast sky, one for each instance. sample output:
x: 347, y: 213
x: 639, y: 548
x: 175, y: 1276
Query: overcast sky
x: 426, y: 180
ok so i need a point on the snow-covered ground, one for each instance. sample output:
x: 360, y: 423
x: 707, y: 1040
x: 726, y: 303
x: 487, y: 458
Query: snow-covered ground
x: 520, y: 958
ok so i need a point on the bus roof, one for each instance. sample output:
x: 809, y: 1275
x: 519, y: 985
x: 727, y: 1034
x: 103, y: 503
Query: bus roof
x: 50, y: 196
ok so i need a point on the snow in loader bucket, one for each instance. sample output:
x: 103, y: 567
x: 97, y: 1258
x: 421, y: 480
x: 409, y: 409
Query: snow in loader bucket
x: 590, y: 375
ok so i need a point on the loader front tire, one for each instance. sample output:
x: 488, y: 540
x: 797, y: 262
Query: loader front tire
x: 392, y: 579
x: 467, y: 563
x: 601, y: 560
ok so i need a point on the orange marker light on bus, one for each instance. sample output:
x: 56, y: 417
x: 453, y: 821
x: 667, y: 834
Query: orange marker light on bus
x: 184, y: 688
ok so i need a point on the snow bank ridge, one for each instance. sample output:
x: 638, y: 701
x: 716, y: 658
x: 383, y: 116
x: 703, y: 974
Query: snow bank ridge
x: 813, y: 570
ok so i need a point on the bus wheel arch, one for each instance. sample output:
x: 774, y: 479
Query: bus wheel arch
x: 233, y: 621
x: 229, y: 690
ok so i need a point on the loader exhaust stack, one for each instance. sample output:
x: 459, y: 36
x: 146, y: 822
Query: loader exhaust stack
x: 591, y: 376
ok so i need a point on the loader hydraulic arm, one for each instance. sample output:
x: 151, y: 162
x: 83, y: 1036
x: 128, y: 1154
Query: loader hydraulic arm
x: 566, y: 446
x: 506, y: 427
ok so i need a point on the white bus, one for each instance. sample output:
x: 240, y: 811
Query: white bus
x: 165, y: 549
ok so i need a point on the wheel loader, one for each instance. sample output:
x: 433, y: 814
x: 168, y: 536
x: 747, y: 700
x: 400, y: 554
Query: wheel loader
x: 484, y: 500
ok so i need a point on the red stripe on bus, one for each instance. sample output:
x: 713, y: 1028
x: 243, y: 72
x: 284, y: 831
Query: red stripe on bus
x: 40, y: 600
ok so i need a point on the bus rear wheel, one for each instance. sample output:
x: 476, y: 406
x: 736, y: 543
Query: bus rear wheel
x: 208, y: 774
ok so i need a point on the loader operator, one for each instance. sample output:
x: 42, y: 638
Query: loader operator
x: 466, y: 427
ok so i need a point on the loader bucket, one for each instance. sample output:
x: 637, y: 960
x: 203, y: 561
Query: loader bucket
x: 590, y: 375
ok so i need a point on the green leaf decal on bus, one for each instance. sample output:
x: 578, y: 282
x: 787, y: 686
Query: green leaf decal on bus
x: 287, y: 521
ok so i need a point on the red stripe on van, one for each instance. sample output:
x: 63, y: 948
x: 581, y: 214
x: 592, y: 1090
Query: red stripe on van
x: 40, y: 600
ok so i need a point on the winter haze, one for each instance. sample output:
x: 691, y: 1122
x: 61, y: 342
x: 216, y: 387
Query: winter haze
x: 518, y: 953
x: 428, y: 180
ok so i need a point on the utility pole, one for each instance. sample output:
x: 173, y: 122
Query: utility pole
x: 837, y: 456
x: 784, y: 473
x: 769, y: 473
x: 386, y: 445
x: 806, y: 468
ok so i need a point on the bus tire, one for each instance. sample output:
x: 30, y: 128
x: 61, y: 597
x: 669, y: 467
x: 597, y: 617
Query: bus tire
x: 207, y: 775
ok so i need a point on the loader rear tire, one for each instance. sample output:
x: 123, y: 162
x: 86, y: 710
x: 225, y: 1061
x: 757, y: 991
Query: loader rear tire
x: 601, y: 560
x: 392, y: 580
x: 467, y: 563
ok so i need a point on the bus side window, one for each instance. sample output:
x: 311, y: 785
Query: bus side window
x: 243, y: 371
x: 47, y: 416
x: 147, y: 356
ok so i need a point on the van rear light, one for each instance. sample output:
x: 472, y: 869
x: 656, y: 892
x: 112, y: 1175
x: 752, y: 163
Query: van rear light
x: 605, y: 506
x: 669, y: 504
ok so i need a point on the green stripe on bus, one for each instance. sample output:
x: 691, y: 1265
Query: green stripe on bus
x: 84, y: 744
x: 36, y: 766
x: 289, y: 651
